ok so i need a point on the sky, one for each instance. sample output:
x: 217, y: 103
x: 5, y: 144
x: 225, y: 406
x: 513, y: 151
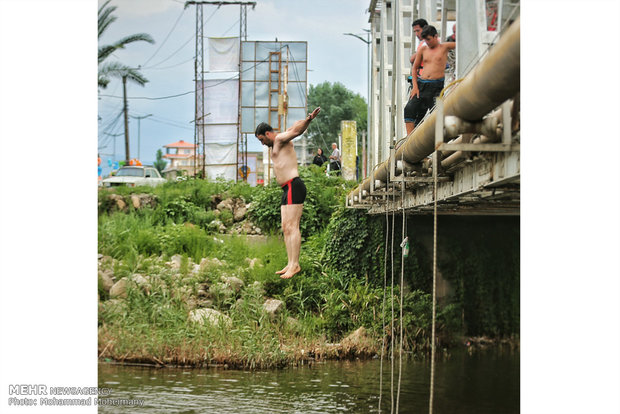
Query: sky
x: 570, y: 226
x: 169, y: 63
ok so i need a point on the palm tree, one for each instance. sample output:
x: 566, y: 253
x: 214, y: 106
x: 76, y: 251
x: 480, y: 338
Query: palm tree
x: 116, y: 69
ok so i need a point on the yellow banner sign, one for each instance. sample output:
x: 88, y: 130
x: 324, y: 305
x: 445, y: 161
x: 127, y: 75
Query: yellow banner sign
x: 349, y: 148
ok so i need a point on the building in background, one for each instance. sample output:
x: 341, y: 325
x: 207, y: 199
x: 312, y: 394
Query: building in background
x: 181, y: 156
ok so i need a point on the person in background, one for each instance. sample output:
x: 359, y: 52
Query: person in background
x: 417, y: 27
x: 451, y: 62
x: 452, y: 37
x: 334, y: 159
x: 319, y: 158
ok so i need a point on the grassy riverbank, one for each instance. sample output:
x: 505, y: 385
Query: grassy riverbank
x: 151, y: 324
x: 175, y: 263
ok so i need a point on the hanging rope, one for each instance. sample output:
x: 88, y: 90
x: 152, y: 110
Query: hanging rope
x: 387, y: 236
x: 387, y: 231
x: 404, y: 251
x: 435, y: 165
x: 392, y: 296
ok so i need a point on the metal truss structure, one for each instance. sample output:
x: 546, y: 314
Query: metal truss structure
x: 199, y: 82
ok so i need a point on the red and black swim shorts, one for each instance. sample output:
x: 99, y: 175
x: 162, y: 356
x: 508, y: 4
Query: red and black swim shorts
x: 294, y: 191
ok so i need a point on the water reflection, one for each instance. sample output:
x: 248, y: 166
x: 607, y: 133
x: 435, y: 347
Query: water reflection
x: 482, y: 383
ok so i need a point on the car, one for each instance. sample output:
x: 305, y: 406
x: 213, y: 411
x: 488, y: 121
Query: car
x: 133, y: 176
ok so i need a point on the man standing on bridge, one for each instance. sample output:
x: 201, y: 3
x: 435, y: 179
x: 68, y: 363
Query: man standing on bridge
x: 287, y: 175
x: 429, y: 84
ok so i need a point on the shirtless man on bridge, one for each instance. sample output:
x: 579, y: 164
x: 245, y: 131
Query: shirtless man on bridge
x: 287, y: 175
x: 433, y: 55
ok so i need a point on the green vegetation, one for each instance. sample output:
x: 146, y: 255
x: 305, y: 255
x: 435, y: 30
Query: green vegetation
x: 485, y: 275
x: 160, y: 163
x: 323, y: 195
x: 337, y: 103
x: 340, y: 288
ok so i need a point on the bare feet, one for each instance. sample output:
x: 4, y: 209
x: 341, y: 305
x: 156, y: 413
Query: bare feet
x: 292, y: 271
x: 281, y: 272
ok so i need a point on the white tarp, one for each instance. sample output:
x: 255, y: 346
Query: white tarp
x: 221, y: 134
x: 221, y: 100
x: 221, y: 105
x: 224, y: 54
x: 220, y: 153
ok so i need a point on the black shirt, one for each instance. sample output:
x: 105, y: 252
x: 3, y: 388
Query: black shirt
x: 319, y: 159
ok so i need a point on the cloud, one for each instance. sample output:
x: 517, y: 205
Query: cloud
x: 143, y: 8
x: 293, y: 16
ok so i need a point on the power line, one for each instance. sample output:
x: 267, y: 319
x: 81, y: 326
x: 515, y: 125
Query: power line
x: 112, y: 123
x: 184, y: 44
x: 170, y: 56
x: 167, y: 36
x: 149, y: 98
x: 105, y: 143
x: 154, y: 119
x: 301, y: 91
x: 116, y: 85
x: 178, y: 50
x: 171, y: 66
x: 210, y: 86
x: 178, y: 123
x: 233, y: 25
x: 106, y: 140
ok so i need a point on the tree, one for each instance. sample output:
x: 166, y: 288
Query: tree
x: 337, y: 104
x: 116, y: 69
x: 160, y: 164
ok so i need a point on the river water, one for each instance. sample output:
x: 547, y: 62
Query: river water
x: 479, y: 382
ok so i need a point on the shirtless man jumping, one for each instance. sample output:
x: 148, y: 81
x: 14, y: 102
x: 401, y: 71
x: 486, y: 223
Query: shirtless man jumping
x: 287, y: 175
x: 433, y: 56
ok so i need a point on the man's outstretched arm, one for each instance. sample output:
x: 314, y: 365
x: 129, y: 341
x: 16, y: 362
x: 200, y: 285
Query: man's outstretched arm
x: 298, y: 128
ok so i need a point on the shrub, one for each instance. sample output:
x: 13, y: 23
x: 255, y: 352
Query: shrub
x: 322, y: 196
x: 226, y: 217
x: 265, y: 209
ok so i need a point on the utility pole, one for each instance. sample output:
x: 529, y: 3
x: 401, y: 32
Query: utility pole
x: 114, y: 143
x: 242, y: 139
x: 140, y: 118
x: 199, y: 128
x: 368, y: 74
x: 126, y: 119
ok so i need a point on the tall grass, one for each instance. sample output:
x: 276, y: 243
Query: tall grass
x: 338, y: 290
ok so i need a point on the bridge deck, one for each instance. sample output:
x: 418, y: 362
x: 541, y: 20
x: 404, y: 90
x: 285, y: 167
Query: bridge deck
x: 486, y: 183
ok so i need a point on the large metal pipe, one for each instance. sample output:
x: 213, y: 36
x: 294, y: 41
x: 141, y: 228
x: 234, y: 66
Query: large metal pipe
x: 460, y: 155
x: 494, y: 80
